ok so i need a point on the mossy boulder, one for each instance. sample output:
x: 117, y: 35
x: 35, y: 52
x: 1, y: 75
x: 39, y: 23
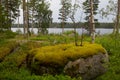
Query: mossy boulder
x: 88, y: 68
x: 54, y: 59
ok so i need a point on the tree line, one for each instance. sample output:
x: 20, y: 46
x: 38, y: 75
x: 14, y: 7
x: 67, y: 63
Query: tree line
x: 37, y: 13
x: 69, y: 25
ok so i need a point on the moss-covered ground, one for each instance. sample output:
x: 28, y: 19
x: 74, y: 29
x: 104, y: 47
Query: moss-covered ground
x: 63, y: 53
x: 13, y: 65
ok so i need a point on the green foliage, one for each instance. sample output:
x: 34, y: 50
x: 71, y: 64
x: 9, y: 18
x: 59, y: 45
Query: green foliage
x: 8, y: 13
x: 7, y: 35
x: 17, y: 58
x: 9, y: 69
x: 64, y: 11
x: 14, y: 74
x: 52, y: 39
x: 6, y: 48
x: 23, y: 74
x: 110, y: 42
x: 2, y: 17
x: 87, y: 10
x: 67, y: 33
x: 13, y: 66
x: 112, y: 45
x: 42, y: 15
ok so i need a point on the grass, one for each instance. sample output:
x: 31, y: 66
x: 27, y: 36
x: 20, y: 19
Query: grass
x: 9, y: 66
x: 112, y: 44
x: 53, y: 39
x: 13, y: 66
x: 24, y: 74
x: 6, y: 48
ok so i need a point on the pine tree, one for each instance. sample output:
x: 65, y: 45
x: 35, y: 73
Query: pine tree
x: 9, y: 11
x: 64, y: 12
x: 43, y: 16
x: 118, y: 18
x: 91, y: 7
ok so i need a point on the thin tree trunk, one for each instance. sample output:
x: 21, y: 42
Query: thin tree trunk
x: 115, y: 24
x: 24, y: 9
x: 10, y: 20
x: 0, y: 15
x: 32, y: 19
x: 75, y: 33
x: 118, y: 19
x: 7, y: 14
x: 18, y: 21
x: 62, y: 26
x: 92, y: 23
x: 25, y: 19
x: 63, y: 21
x: 39, y: 24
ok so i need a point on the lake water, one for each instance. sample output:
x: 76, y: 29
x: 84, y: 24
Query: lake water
x: 59, y: 30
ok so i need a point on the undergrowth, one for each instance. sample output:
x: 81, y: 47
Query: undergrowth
x: 9, y: 69
x: 112, y: 45
x: 6, y: 48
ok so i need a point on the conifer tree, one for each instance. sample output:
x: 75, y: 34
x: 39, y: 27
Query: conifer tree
x: 91, y: 7
x: 64, y: 12
x: 10, y: 10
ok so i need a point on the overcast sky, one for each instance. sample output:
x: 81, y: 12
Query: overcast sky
x: 55, y: 6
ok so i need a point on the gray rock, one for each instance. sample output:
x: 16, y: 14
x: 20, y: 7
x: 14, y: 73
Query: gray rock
x: 88, y: 68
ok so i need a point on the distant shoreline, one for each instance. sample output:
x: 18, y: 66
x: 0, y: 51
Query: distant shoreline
x: 70, y: 25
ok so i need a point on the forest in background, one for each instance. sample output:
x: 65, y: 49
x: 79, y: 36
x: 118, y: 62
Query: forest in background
x: 70, y: 25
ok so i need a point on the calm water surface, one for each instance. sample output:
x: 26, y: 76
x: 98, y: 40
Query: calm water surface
x: 59, y: 30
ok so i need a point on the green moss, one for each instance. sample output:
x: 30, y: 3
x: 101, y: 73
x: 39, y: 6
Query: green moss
x: 6, y: 48
x: 62, y: 53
